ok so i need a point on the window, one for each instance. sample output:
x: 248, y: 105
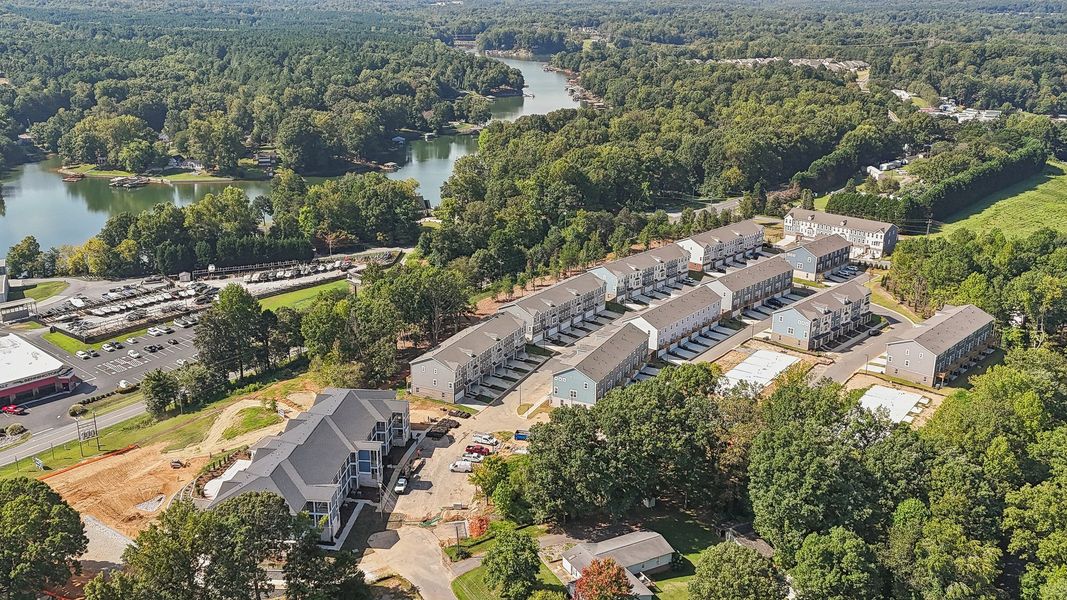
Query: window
x: 585, y: 385
x: 907, y: 352
x: 907, y: 362
x: 435, y: 381
x: 790, y: 331
x: 920, y: 355
x: 574, y: 394
x: 555, y: 390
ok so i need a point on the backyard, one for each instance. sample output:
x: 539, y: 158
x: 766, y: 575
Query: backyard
x: 689, y: 535
x: 1040, y: 201
x: 472, y: 586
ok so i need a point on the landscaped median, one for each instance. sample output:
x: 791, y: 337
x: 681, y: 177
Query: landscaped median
x: 72, y: 345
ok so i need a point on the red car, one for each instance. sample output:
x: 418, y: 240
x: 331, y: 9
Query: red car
x: 13, y: 409
x: 478, y: 449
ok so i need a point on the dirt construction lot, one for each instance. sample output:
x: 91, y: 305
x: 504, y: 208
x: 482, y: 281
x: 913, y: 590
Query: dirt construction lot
x: 127, y: 491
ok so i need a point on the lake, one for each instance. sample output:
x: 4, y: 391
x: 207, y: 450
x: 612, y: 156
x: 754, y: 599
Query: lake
x: 39, y: 203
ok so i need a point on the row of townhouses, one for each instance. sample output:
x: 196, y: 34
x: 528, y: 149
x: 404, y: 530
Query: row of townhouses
x: 556, y: 309
x: 822, y: 320
x: 643, y: 273
x: 752, y: 285
x: 323, y: 455
x: 869, y: 239
x: 680, y: 319
x: 942, y: 346
x: 816, y: 259
x: 601, y: 363
x: 713, y: 249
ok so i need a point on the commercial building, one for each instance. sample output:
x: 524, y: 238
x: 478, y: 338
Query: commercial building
x: 715, y: 248
x: 680, y: 319
x: 602, y: 362
x: 457, y: 367
x: 818, y: 258
x: 326, y: 453
x: 644, y: 272
x: 27, y: 372
x: 822, y: 320
x: 869, y: 239
x: 557, y: 308
x: 745, y: 288
x: 941, y: 347
x: 638, y: 553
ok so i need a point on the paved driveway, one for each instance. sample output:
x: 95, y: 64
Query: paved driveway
x: 414, y: 554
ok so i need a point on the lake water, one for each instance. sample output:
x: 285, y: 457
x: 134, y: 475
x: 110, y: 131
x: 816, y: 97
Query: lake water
x: 39, y: 203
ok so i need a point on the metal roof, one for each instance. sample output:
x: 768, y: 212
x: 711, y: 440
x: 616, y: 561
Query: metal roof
x: 950, y: 326
x: 832, y: 220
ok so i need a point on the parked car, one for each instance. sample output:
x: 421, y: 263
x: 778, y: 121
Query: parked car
x: 401, y: 485
x: 125, y: 386
x: 461, y: 466
x: 93, y: 353
x: 131, y: 340
x: 82, y: 354
x: 133, y: 354
x: 13, y: 409
x: 521, y: 435
x: 154, y: 331
x: 449, y: 423
x: 173, y: 341
x: 774, y: 302
x: 472, y: 457
x: 108, y: 347
x: 459, y: 413
x: 181, y: 362
x: 150, y: 348
x: 479, y: 449
x: 488, y: 440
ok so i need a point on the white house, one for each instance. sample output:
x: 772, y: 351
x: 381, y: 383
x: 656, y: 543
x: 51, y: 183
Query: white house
x: 680, y: 319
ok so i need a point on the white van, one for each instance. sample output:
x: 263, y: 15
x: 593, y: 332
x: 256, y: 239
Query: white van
x: 461, y: 466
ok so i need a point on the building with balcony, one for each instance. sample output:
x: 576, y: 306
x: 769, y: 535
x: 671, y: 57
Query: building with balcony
x: 457, y: 367
x: 679, y: 319
x: 869, y: 239
x: 602, y: 362
x: 644, y: 272
x: 822, y: 320
x: 818, y: 258
x: 715, y: 248
x: 942, y: 347
x: 557, y: 308
x: 747, y: 287
x: 323, y: 455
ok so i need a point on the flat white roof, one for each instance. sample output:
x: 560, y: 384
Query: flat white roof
x: 211, y: 488
x: 759, y: 369
x: 21, y: 361
x: 898, y: 402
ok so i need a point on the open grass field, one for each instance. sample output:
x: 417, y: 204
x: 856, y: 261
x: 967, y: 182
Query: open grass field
x: 251, y: 419
x: 1040, y: 201
x: 301, y: 299
x: 40, y: 291
x: 472, y: 586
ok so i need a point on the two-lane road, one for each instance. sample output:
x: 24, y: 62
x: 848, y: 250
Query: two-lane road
x: 42, y: 441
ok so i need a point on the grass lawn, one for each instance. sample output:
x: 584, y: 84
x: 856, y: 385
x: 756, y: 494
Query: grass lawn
x: 72, y: 345
x: 689, y: 536
x: 40, y: 291
x: 809, y: 283
x: 821, y: 202
x: 1040, y: 201
x: 920, y: 102
x: 472, y: 586
x: 884, y: 299
x: 251, y: 419
x: 301, y: 299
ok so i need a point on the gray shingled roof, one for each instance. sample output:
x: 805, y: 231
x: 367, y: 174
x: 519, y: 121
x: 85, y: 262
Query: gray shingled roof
x: 644, y: 260
x: 825, y: 245
x: 459, y: 349
x: 727, y: 233
x: 825, y: 218
x: 300, y: 463
x: 558, y: 294
x: 676, y: 309
x: 833, y: 299
x: 629, y: 549
x: 600, y: 354
x: 752, y: 274
x: 948, y: 327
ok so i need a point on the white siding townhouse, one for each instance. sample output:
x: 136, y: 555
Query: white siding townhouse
x: 458, y: 366
x: 939, y: 348
x: 680, y: 319
x: 555, y: 309
x: 745, y: 288
x: 714, y: 248
x: 870, y: 239
x: 818, y: 258
x: 601, y: 363
x: 325, y: 454
x: 644, y: 272
x: 821, y: 320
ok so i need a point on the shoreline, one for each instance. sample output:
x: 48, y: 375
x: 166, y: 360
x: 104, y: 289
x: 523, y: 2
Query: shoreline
x: 66, y: 172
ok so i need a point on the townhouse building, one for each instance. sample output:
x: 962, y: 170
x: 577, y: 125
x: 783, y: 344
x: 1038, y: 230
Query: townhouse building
x: 601, y: 363
x: 644, y: 272
x: 869, y: 239
x: 747, y: 287
x: 818, y: 258
x: 680, y: 319
x: 822, y: 320
x: 457, y: 367
x: 712, y: 249
x: 325, y: 454
x: 557, y: 308
x: 942, y: 346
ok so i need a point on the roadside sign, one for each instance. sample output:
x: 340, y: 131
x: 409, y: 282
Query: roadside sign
x: 38, y: 463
